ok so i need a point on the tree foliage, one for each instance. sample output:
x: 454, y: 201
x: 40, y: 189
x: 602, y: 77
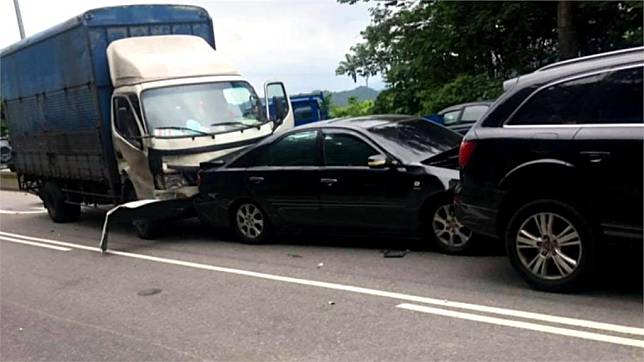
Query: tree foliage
x: 435, y: 53
x: 355, y: 108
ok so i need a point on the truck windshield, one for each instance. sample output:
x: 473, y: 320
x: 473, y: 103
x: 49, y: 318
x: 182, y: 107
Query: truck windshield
x: 201, y: 109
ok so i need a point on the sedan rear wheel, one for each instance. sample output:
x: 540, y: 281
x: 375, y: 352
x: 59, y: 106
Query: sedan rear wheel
x: 446, y: 231
x: 250, y: 223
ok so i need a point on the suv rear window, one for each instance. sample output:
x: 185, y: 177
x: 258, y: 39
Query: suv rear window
x: 606, y: 98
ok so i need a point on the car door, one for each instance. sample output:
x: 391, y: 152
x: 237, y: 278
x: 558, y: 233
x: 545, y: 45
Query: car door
x: 284, y: 178
x: 609, y: 145
x: 351, y: 193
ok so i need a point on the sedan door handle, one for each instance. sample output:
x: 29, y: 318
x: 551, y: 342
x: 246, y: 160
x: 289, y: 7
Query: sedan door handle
x: 255, y: 179
x: 328, y: 181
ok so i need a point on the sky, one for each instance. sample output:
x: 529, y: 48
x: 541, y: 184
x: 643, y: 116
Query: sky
x: 299, y: 42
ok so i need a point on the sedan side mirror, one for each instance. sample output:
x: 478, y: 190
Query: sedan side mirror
x: 378, y: 161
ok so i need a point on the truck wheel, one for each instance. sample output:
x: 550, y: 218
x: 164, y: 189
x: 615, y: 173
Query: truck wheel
x: 250, y: 223
x: 443, y: 229
x: 59, y: 211
x: 551, y: 245
x: 146, y: 229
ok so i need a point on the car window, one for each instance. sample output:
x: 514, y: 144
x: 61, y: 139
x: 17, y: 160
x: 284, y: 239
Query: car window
x: 560, y: 103
x: 414, y: 139
x: 342, y: 149
x: 473, y: 113
x: 125, y: 122
x: 451, y: 117
x: 297, y: 149
x: 618, y: 98
x: 614, y: 97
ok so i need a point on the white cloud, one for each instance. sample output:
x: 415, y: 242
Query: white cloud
x: 298, y: 41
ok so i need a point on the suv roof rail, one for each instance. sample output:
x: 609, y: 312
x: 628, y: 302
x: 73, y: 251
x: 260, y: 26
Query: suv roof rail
x: 592, y: 57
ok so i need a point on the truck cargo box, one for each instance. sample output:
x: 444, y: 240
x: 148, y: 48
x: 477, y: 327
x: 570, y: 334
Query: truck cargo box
x: 57, y: 90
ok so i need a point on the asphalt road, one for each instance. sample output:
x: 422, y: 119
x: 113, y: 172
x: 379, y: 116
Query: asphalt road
x: 196, y: 295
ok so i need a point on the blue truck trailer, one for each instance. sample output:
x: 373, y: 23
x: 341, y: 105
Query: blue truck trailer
x: 308, y: 108
x: 88, y: 105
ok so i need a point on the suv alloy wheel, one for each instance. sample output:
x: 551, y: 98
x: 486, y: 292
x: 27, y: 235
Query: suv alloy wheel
x: 551, y: 244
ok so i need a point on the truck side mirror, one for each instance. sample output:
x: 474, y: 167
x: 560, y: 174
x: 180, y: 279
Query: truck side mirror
x: 277, y: 105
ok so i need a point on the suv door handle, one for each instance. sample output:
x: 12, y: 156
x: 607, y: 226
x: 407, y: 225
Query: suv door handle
x: 255, y: 179
x: 595, y: 156
x: 328, y: 181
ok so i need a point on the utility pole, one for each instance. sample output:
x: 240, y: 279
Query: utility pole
x: 19, y: 17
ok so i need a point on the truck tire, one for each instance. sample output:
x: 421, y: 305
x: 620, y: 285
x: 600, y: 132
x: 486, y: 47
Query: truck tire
x: 55, y: 202
x: 146, y: 229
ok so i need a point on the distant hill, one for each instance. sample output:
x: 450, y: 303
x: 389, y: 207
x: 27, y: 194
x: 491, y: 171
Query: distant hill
x: 341, y: 99
x: 361, y: 93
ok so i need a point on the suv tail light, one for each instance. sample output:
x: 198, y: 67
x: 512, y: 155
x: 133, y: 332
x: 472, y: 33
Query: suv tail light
x: 465, y: 153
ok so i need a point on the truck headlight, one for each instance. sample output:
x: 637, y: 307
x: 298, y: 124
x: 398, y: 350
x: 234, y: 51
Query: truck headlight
x: 170, y: 181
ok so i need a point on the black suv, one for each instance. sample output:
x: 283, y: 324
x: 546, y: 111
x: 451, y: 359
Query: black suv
x: 555, y: 167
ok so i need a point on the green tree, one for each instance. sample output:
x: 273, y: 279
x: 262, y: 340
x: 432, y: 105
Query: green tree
x: 421, y: 47
x: 355, y: 108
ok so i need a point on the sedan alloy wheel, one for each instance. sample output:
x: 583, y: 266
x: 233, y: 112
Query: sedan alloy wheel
x: 250, y: 222
x: 450, y: 234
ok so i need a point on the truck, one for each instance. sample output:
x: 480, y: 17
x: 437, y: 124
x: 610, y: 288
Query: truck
x: 123, y: 103
x: 309, y: 108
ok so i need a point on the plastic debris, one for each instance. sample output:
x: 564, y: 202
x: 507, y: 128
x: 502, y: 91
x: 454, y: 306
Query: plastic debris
x: 320, y: 265
x: 331, y: 302
x: 294, y: 255
x: 395, y: 253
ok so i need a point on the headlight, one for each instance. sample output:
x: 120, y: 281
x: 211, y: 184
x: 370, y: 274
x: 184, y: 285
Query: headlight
x: 170, y: 181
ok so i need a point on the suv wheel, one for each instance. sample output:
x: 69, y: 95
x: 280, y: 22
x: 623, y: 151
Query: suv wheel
x: 552, y: 245
x: 250, y: 223
x: 445, y: 231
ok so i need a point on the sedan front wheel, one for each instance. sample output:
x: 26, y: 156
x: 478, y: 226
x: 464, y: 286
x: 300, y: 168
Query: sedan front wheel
x: 250, y: 223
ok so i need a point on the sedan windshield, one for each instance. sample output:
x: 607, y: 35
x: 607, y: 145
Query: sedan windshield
x: 201, y: 109
x: 415, y: 139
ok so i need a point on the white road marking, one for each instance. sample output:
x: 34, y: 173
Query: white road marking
x: 525, y: 325
x: 19, y: 241
x: 16, y: 212
x: 367, y: 291
x: 55, y: 242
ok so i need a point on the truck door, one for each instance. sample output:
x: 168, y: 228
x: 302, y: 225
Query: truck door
x: 278, y: 106
x: 128, y: 146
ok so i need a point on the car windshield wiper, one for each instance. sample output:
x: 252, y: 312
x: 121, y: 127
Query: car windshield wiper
x: 184, y: 129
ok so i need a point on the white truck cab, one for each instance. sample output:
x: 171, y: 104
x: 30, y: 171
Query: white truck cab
x: 176, y: 103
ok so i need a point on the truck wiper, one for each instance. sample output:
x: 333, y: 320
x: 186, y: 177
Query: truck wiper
x: 229, y: 124
x: 184, y: 129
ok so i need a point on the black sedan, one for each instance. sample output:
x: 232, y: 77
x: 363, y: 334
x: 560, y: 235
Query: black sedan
x: 389, y: 174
